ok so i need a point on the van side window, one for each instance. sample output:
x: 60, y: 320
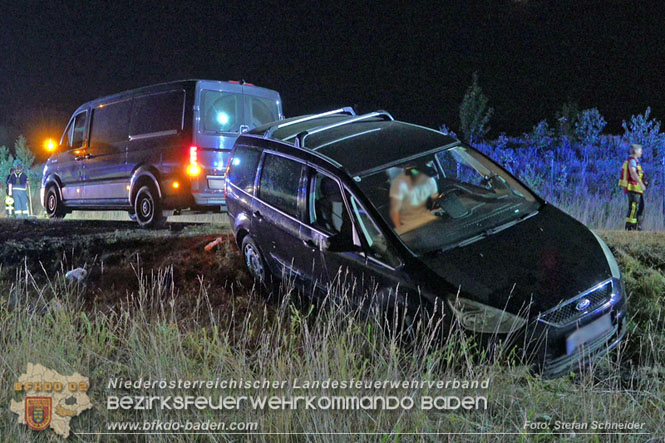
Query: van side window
x: 109, y: 123
x: 66, y: 140
x: 379, y: 248
x: 78, y: 133
x: 159, y: 112
x: 220, y: 111
x: 326, y: 206
x: 242, y: 169
x: 262, y: 110
x: 280, y: 180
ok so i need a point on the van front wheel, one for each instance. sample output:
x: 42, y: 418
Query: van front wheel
x: 53, y: 203
x: 148, y: 208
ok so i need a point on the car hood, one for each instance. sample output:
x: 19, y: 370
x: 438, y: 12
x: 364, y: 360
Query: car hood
x: 540, y: 262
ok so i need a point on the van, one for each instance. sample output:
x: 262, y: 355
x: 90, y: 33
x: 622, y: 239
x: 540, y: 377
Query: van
x: 153, y: 151
x: 416, y: 222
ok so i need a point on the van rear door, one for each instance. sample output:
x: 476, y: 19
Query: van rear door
x: 218, y: 119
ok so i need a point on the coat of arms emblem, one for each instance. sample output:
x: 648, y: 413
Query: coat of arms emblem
x: 38, y: 412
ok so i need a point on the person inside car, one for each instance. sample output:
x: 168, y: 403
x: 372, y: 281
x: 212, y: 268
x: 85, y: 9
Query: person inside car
x: 410, y: 193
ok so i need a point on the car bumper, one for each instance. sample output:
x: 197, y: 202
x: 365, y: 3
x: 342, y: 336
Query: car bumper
x: 554, y: 359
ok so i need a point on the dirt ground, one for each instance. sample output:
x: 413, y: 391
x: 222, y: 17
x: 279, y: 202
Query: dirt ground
x: 117, y: 255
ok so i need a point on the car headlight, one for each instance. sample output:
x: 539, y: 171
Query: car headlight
x: 481, y: 318
x: 614, y: 266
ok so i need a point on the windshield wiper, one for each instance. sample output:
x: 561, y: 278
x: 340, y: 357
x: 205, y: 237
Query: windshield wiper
x: 486, y: 233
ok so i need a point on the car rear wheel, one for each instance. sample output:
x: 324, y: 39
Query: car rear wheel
x: 148, y: 208
x: 254, y: 261
x: 53, y: 203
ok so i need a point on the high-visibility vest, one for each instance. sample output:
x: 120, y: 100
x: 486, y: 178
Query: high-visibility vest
x: 626, y: 181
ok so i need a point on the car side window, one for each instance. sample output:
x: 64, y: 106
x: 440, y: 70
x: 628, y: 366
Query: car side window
x: 379, y: 249
x: 242, y: 168
x: 326, y: 206
x: 279, y: 183
x: 78, y: 133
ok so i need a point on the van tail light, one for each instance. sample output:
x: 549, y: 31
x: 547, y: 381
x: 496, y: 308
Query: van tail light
x: 193, y: 168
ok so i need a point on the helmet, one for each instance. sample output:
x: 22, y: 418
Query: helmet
x: 9, y: 200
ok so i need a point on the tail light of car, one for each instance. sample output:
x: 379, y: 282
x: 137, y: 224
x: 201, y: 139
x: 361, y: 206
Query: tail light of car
x: 193, y: 168
x: 226, y: 174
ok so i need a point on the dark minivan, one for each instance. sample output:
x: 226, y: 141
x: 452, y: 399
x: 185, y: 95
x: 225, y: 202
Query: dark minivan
x: 154, y: 150
x: 402, y: 206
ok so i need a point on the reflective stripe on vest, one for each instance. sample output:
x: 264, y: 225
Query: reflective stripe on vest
x: 626, y: 181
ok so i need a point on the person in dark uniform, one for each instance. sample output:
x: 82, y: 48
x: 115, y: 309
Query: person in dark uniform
x: 18, y: 189
x: 9, y: 200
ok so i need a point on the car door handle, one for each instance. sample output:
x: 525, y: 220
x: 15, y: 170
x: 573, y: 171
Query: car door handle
x: 257, y: 215
x: 310, y: 244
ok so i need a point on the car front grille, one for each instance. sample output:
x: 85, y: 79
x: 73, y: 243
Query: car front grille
x: 567, y: 312
x: 556, y: 366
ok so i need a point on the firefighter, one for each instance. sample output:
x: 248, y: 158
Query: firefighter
x: 634, y: 184
x: 18, y: 189
x: 9, y: 200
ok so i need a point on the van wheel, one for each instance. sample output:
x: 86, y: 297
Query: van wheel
x: 254, y: 261
x: 54, y: 205
x: 148, y: 208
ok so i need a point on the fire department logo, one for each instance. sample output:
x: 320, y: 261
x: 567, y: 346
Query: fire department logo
x: 38, y: 412
x: 51, y: 399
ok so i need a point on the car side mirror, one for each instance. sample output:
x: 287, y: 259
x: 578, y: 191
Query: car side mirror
x: 340, y: 243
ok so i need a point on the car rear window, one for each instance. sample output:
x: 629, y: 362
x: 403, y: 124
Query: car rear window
x: 158, y: 112
x: 280, y: 180
x: 242, y: 168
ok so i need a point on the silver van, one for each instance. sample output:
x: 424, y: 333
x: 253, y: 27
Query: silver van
x: 155, y: 150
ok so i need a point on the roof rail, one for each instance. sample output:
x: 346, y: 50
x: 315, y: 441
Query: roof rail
x: 299, y: 139
x: 345, y: 110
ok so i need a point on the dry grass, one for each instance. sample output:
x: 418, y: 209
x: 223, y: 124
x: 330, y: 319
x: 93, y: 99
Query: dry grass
x: 157, y: 306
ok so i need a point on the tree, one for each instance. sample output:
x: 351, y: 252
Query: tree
x: 567, y: 117
x: 474, y: 114
x: 6, y: 161
x: 27, y: 159
x: 23, y: 152
x: 645, y: 131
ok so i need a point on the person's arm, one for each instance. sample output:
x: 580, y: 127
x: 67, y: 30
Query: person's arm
x: 635, y: 176
x: 396, y: 198
x: 434, y: 189
x: 395, y: 206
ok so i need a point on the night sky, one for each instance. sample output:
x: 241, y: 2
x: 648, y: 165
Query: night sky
x: 415, y: 60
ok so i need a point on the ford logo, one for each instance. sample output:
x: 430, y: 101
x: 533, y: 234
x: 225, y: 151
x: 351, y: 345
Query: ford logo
x: 583, y: 304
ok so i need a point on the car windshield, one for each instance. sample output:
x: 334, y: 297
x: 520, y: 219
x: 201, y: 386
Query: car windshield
x: 447, y: 197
